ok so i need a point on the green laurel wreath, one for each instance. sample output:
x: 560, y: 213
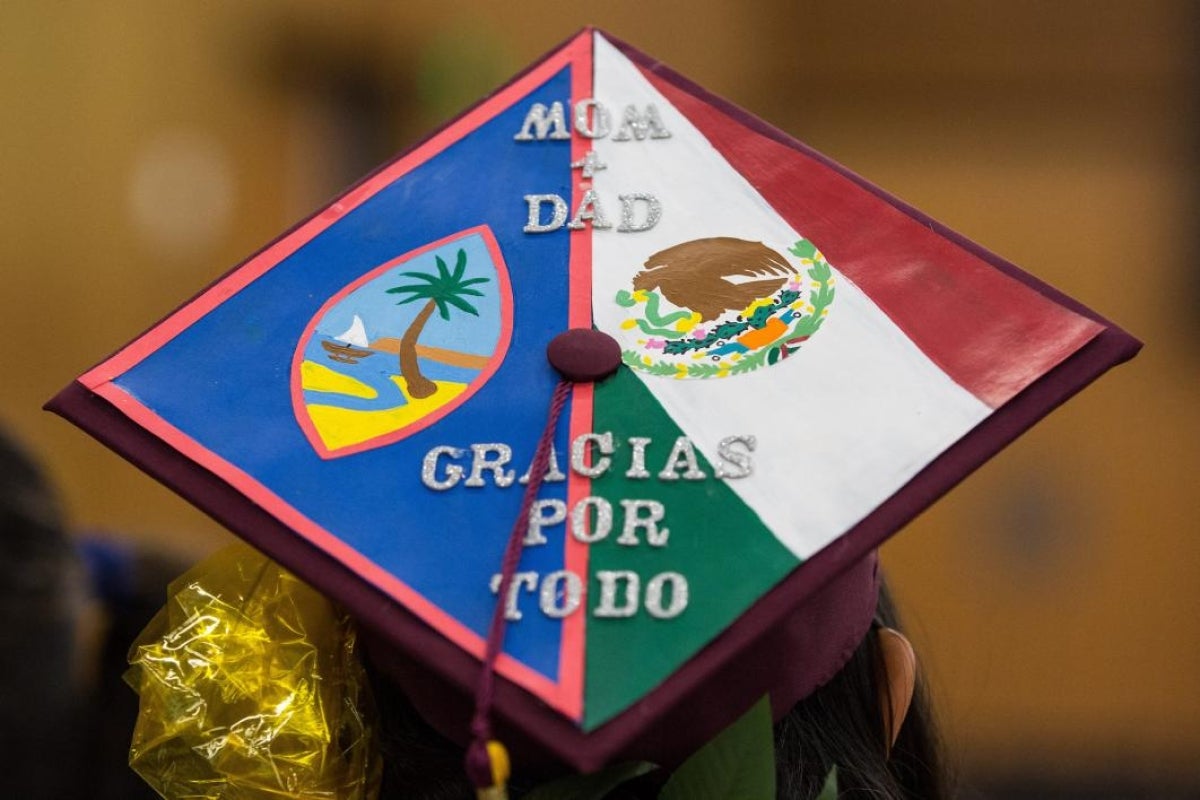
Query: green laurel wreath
x: 820, y: 300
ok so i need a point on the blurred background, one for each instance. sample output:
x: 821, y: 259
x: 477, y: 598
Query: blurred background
x: 149, y: 146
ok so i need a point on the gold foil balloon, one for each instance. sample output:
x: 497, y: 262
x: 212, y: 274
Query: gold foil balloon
x: 251, y: 689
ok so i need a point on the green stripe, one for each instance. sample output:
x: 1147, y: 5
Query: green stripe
x: 717, y: 542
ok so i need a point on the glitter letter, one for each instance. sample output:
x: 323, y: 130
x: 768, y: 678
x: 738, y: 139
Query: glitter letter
x: 500, y: 476
x: 579, y: 454
x: 538, y: 519
x: 601, y: 122
x: 640, y: 124
x: 454, y: 472
x: 589, y: 208
x: 534, y: 223
x: 527, y: 579
x: 608, y: 593
x: 537, y: 119
x: 655, y: 536
x: 739, y: 465
x: 553, y: 473
x: 570, y: 592
x: 653, y: 212
x: 580, y: 520
x: 637, y: 458
x: 654, y: 595
x: 682, y: 454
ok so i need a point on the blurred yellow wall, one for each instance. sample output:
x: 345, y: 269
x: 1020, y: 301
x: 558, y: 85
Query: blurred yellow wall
x: 149, y: 146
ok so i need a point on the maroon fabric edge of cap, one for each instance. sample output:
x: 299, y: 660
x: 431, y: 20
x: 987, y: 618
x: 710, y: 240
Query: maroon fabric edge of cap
x: 747, y: 641
x: 841, y: 610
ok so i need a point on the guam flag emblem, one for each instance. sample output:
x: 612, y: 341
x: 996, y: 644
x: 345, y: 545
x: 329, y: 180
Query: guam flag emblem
x: 403, y: 345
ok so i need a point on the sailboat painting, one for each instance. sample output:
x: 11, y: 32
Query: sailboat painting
x: 351, y: 345
x: 403, y: 345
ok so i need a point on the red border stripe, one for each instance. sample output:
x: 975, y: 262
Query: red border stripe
x: 268, y: 258
x: 579, y: 315
x: 564, y: 696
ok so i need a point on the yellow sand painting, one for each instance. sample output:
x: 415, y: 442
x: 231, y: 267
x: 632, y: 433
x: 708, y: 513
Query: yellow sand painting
x: 342, y: 427
x: 316, y: 377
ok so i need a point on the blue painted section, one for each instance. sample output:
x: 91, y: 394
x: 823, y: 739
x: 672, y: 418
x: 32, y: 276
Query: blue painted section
x: 225, y: 380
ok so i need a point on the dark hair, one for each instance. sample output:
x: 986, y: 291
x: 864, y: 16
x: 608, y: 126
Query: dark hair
x: 40, y: 599
x: 839, y: 724
x: 61, y: 736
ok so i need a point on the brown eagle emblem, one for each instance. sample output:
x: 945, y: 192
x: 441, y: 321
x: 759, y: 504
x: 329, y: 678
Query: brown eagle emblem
x: 697, y: 275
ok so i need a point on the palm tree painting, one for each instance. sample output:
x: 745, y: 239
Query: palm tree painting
x: 403, y: 344
x: 441, y: 292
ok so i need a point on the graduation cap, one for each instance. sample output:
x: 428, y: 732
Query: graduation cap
x: 800, y: 363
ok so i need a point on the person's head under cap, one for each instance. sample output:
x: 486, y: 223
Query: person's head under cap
x: 868, y: 722
x: 593, y: 409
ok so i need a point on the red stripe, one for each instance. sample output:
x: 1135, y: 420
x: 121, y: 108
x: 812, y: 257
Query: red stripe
x: 579, y: 315
x: 988, y: 332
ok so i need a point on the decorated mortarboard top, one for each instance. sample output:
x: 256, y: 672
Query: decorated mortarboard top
x: 805, y: 364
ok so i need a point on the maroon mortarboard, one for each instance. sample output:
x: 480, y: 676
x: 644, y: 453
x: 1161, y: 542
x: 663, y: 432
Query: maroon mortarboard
x: 800, y: 364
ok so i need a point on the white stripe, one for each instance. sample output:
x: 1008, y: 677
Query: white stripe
x: 842, y: 424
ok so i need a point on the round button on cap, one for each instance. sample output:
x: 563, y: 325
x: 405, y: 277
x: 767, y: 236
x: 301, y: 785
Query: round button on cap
x: 584, y: 355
